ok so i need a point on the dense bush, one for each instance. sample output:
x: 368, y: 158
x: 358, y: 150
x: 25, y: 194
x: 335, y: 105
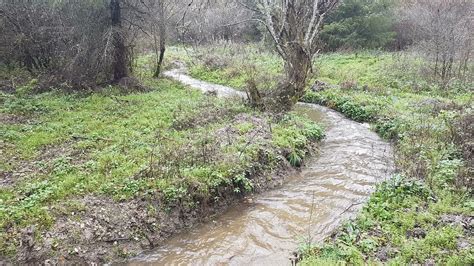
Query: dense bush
x: 72, y: 44
x: 359, y: 24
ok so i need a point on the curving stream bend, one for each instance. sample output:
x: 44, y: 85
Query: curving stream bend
x: 264, y: 230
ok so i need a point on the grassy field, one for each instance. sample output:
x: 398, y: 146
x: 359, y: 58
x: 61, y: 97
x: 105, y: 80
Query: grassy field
x: 170, y: 145
x: 425, y: 213
x: 234, y: 64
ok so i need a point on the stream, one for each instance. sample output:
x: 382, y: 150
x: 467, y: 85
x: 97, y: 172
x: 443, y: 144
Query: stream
x: 265, y: 228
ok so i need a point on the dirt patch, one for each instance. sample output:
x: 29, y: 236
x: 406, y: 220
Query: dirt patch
x: 416, y: 232
x: 99, y: 231
x: 384, y: 253
x: 42, y: 164
x: 129, y: 84
x: 6, y: 86
x: 208, y: 113
x: 11, y: 119
x: 458, y: 220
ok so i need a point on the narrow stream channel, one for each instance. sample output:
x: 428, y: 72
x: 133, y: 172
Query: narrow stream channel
x: 264, y: 230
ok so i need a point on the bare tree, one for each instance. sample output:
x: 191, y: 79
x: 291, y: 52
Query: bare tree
x: 442, y: 31
x: 294, y: 26
x: 120, y: 52
x: 155, y: 19
x: 73, y: 43
x: 209, y: 21
x: 159, y: 36
x: 28, y: 33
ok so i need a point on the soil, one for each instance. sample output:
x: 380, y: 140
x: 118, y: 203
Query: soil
x: 10, y: 119
x: 465, y: 222
x: 29, y: 168
x: 7, y: 87
x: 384, y: 253
x: 416, y: 232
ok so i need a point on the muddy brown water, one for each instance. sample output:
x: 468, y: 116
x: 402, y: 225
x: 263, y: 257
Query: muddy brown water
x: 265, y: 229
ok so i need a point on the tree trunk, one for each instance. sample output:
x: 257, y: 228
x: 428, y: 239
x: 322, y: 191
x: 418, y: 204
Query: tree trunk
x: 120, y: 51
x: 159, y: 63
x: 162, y: 33
x: 297, y: 67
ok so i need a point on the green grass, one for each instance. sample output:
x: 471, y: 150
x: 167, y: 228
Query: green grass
x: 164, y: 142
x: 392, y: 92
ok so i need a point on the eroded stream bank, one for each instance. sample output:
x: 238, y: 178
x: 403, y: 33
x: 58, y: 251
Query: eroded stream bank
x: 263, y: 230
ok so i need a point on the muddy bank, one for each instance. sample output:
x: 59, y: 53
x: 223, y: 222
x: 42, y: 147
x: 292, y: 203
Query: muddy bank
x: 98, y: 229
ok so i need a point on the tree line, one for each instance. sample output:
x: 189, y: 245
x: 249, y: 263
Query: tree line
x: 86, y: 43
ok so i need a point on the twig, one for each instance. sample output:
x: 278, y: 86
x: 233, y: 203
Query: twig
x: 310, y: 220
x: 75, y: 137
x: 352, y: 205
x: 248, y: 143
x: 117, y: 239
